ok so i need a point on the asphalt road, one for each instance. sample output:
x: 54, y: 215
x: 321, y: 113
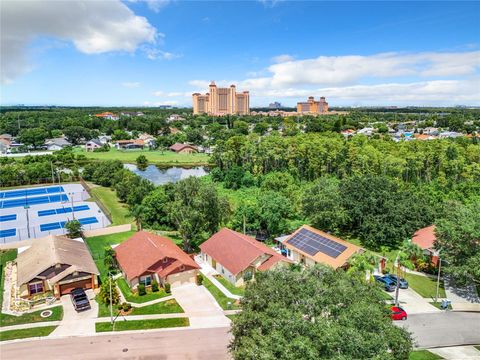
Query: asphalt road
x: 443, y: 329
x: 208, y: 344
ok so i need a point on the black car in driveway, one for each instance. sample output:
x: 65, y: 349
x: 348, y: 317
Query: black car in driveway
x: 387, y: 283
x: 80, y: 299
x: 403, y: 283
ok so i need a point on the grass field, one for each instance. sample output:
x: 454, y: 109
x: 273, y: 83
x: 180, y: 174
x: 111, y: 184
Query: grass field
x: 154, y: 157
x: 134, y: 297
x: 109, y: 199
x: 8, y: 320
x: 164, y: 307
x: 423, y: 355
x: 233, y: 289
x: 219, y: 296
x: 121, y: 325
x: 425, y: 286
x: 97, y: 245
x: 26, y: 333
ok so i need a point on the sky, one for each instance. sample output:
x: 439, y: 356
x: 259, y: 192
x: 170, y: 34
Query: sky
x: 158, y: 52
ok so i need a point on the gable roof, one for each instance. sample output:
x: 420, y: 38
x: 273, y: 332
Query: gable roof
x: 425, y: 238
x: 143, y: 250
x: 95, y: 141
x: 236, y: 251
x: 179, y: 147
x: 349, y: 249
x: 51, y: 250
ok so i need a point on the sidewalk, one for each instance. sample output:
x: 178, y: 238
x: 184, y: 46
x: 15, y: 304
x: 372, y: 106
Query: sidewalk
x: 143, y: 317
x: 457, y: 353
x: 30, y: 325
x: 208, y: 271
x: 462, y: 297
x: 413, y: 303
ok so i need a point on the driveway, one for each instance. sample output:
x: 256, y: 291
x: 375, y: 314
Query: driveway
x: 200, y: 306
x: 413, y: 303
x: 457, y: 352
x: 77, y: 323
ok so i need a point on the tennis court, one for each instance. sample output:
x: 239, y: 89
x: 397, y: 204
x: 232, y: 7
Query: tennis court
x: 48, y: 210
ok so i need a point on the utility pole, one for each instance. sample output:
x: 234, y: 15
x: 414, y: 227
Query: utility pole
x: 438, y: 278
x: 397, y: 288
x: 111, y: 300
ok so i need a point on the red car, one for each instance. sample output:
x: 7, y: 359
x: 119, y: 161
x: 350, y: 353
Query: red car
x: 398, y: 313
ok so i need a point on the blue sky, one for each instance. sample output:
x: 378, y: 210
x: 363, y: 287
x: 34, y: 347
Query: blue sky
x: 155, y: 52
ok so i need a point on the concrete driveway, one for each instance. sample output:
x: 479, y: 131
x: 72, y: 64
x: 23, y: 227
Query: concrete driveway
x: 77, y: 323
x: 200, y: 306
x: 413, y: 303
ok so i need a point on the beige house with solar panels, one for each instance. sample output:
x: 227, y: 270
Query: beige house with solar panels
x: 309, y: 246
x: 221, y: 101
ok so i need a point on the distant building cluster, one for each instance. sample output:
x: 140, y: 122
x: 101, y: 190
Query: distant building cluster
x: 312, y: 107
x: 275, y: 105
x: 221, y: 101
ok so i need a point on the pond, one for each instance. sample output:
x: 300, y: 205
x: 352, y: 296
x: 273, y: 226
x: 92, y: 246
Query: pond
x: 161, y: 176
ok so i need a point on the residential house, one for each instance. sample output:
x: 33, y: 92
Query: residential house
x: 309, y: 246
x: 183, y: 148
x: 175, y: 117
x: 93, y: 144
x: 107, y: 115
x: 424, y: 137
x: 105, y: 139
x: 148, y: 139
x: 237, y: 256
x: 366, y: 131
x: 348, y: 132
x: 145, y: 257
x: 129, y: 144
x: 132, y: 113
x: 57, y: 264
x: 5, y: 145
x: 425, y: 239
x: 57, y: 144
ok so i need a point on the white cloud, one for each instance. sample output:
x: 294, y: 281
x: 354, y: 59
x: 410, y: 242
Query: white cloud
x: 92, y: 26
x: 283, y: 58
x: 168, y: 94
x: 155, y: 54
x: 158, y: 103
x: 157, y: 5
x: 131, y: 85
x: 270, y: 3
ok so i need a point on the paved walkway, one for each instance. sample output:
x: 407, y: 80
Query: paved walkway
x: 200, y: 306
x: 209, y: 271
x: 457, y: 353
x: 462, y: 297
x: 77, y: 323
x: 413, y: 303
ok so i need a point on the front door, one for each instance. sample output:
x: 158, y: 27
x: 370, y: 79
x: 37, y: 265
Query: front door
x: 214, y: 264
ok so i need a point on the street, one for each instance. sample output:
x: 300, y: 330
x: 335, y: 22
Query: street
x: 443, y: 329
x: 205, y: 344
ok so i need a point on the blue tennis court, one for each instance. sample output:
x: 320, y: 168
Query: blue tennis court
x: 89, y: 220
x: 61, y: 224
x: 8, y: 233
x: 30, y: 192
x: 64, y: 210
x: 32, y: 201
x: 8, y: 217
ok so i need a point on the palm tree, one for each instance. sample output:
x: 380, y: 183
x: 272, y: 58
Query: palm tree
x: 138, y: 214
x: 363, y: 263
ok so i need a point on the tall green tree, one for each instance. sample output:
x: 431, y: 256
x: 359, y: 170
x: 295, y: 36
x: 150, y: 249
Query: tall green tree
x: 34, y: 136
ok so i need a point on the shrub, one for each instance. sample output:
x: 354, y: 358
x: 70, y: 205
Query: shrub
x: 105, y: 292
x: 167, y: 288
x: 199, y: 279
x: 141, y: 290
x: 126, y: 307
x: 154, y: 286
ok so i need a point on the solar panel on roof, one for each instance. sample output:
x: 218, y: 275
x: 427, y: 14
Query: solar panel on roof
x: 312, y: 243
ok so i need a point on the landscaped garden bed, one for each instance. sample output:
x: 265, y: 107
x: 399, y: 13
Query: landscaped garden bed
x: 133, y: 296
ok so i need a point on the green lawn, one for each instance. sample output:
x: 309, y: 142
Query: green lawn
x: 423, y: 355
x: 164, y: 307
x: 219, y: 296
x: 121, y: 325
x: 26, y: 333
x: 437, y: 305
x: 232, y: 317
x: 97, y: 245
x: 8, y: 320
x: 130, y: 296
x: 154, y: 157
x: 233, y: 289
x: 109, y: 199
x: 425, y: 286
x: 477, y: 347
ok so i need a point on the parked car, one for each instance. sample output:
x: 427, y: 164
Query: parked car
x: 387, y: 283
x: 79, y: 299
x: 403, y: 283
x: 398, y: 313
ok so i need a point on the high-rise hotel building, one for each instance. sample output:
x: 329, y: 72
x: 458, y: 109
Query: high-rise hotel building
x: 221, y: 101
x: 312, y: 106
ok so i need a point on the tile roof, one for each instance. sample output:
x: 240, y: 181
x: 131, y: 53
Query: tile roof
x: 321, y: 257
x: 425, y: 237
x: 179, y: 147
x: 143, y: 251
x: 236, y: 251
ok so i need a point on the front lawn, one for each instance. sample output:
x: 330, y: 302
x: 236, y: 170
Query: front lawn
x: 232, y: 288
x: 164, y: 307
x: 122, y: 325
x: 423, y: 355
x: 97, y: 245
x: 26, y: 333
x: 425, y: 286
x: 8, y: 320
x: 109, y: 199
x: 131, y: 296
x: 219, y: 296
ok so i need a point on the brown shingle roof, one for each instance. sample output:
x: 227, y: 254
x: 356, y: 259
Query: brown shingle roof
x: 236, y: 251
x: 425, y: 237
x: 179, y: 147
x: 144, y: 250
x: 52, y: 250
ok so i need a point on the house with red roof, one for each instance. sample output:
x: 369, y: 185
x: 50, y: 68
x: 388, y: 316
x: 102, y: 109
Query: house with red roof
x: 425, y: 239
x: 183, y: 148
x: 145, y: 257
x: 237, y: 257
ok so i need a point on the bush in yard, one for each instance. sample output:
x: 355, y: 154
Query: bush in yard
x: 167, y: 288
x: 154, y: 286
x: 105, y: 292
x: 199, y: 279
x: 141, y: 290
x: 74, y: 229
x: 126, y: 307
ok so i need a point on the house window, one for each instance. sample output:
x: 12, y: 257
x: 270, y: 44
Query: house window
x: 145, y: 280
x: 182, y: 267
x: 35, y: 288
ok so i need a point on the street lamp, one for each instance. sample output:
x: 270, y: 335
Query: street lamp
x: 111, y: 299
x: 438, y: 278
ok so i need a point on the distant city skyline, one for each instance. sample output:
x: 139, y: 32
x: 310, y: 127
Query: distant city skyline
x: 159, y: 52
